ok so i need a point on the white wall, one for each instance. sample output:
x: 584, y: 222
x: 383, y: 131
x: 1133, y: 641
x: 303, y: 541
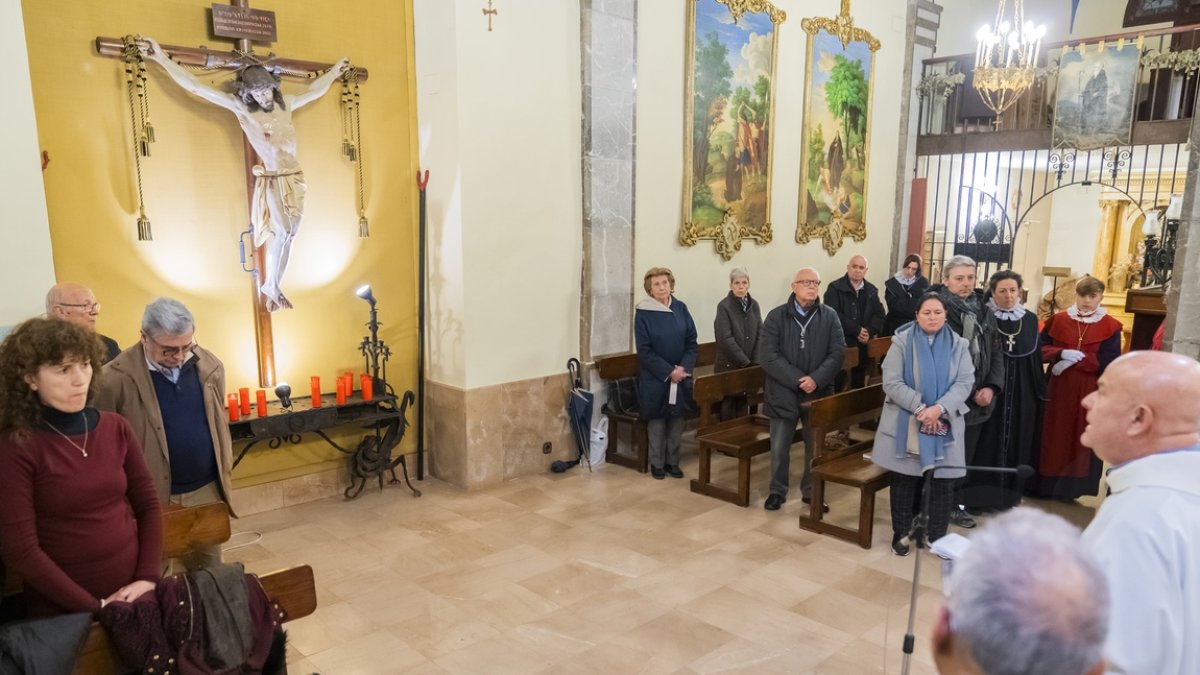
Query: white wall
x: 499, y: 119
x: 26, y: 265
x: 1074, y: 223
x: 961, y: 19
x: 438, y: 139
x: 702, y: 276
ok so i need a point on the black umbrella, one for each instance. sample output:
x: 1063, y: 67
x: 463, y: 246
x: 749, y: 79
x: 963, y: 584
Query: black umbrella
x: 579, y: 411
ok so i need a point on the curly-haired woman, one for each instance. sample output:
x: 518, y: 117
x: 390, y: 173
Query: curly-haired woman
x: 80, y: 520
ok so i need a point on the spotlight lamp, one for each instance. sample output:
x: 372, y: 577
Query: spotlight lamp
x: 365, y: 293
x: 284, y: 392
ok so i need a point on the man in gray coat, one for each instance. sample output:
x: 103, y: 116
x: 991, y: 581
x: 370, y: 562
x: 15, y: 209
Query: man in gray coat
x: 801, y: 350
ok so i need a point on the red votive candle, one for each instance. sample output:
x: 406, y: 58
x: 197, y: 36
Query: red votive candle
x: 261, y: 401
x: 349, y: 383
x: 368, y: 387
x: 341, y: 391
x: 232, y: 402
x: 316, y: 391
x: 244, y: 400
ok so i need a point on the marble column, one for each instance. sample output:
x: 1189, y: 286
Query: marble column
x: 920, y: 40
x: 1182, y: 334
x: 609, y: 61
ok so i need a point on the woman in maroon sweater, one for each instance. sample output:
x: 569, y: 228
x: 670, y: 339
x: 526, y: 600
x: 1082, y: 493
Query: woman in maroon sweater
x: 80, y: 520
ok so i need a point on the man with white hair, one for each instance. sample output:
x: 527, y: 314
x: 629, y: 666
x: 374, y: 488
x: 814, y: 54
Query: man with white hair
x: 77, y: 304
x: 1143, y: 419
x: 172, y: 392
x: 1025, y: 599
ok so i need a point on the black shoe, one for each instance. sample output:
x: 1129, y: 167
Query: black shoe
x: 673, y: 470
x: 657, y: 472
x: 824, y: 505
x: 962, y: 519
x: 773, y: 502
x: 899, y: 547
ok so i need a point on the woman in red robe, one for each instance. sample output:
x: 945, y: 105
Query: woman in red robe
x: 1079, y: 344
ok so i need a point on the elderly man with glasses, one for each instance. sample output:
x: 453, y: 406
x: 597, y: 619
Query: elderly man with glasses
x: 77, y: 304
x: 172, y: 392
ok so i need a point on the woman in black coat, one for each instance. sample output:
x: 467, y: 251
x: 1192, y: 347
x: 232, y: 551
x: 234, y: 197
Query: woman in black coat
x: 666, y: 349
x: 735, y: 328
x: 901, y: 293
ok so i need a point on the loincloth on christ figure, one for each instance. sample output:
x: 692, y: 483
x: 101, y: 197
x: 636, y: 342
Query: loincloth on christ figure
x: 278, y: 203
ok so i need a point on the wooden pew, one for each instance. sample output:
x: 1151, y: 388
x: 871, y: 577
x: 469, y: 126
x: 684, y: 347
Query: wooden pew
x: 741, y: 438
x: 187, y: 529
x: 877, y: 349
x: 845, y: 466
x: 626, y: 365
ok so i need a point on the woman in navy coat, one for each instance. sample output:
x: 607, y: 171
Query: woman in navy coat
x: 666, y: 349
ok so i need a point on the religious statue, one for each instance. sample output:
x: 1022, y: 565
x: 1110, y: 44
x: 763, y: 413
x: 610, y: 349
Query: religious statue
x: 265, y: 115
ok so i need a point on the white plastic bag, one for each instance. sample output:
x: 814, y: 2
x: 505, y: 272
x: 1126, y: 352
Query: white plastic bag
x: 599, y: 444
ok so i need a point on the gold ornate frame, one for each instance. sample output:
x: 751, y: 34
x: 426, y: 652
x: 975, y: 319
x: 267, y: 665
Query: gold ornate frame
x: 729, y: 234
x: 841, y: 27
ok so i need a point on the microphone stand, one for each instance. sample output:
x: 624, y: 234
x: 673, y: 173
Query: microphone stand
x: 917, y: 537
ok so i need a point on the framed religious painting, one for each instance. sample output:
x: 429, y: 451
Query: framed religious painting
x: 838, y: 81
x: 1143, y: 12
x: 732, y: 46
x: 1096, y: 94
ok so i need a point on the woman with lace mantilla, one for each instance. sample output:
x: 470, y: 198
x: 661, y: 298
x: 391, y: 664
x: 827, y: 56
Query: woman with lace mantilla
x: 1078, y: 344
x: 1012, y: 434
x: 80, y: 520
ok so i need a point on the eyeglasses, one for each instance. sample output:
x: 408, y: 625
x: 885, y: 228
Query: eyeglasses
x: 811, y: 283
x: 89, y: 306
x: 173, y: 352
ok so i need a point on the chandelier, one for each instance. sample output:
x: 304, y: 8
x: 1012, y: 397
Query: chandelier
x: 1005, y: 58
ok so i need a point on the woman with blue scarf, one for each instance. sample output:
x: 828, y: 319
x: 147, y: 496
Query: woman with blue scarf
x: 927, y: 377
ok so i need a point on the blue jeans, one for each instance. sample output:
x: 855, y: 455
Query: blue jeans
x: 782, y: 432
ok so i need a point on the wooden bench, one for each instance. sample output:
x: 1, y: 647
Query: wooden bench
x: 742, y: 438
x: 626, y: 365
x: 877, y: 349
x: 184, y: 530
x: 845, y: 466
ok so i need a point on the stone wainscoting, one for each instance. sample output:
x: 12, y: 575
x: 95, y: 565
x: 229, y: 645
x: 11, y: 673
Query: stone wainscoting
x: 477, y: 438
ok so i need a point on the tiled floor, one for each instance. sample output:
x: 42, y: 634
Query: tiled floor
x: 605, y: 572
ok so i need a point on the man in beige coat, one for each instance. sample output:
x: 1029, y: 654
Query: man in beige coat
x: 172, y: 391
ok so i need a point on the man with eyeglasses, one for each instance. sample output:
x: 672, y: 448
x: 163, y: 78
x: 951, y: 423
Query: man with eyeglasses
x: 172, y: 391
x: 77, y: 304
x: 801, y: 350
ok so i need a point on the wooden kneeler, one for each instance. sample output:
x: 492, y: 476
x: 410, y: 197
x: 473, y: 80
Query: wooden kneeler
x: 187, y: 529
x: 845, y: 466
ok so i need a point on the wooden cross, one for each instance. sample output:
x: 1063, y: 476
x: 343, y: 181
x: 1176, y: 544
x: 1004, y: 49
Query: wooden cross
x: 213, y: 60
x: 489, y: 13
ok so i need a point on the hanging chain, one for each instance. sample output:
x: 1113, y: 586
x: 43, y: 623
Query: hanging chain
x: 135, y: 83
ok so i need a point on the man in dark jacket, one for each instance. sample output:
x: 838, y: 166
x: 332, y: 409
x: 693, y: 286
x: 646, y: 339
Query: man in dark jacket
x: 968, y: 315
x: 857, y: 304
x: 801, y: 351
x: 736, y: 329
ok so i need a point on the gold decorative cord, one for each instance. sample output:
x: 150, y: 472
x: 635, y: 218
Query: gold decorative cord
x: 352, y: 141
x: 139, y: 122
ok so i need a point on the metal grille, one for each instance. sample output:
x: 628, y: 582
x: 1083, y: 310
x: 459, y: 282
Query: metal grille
x: 977, y: 202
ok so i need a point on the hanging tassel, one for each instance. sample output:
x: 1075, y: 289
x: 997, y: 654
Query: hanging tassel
x: 143, y: 225
x: 353, y: 154
x: 363, y: 231
x: 148, y: 132
x: 144, y: 146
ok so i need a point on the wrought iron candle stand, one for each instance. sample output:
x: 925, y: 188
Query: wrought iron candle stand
x: 1159, y: 259
x: 384, y: 415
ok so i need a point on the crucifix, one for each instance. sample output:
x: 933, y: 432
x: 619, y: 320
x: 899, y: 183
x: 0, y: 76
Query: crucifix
x: 274, y: 180
x: 489, y: 13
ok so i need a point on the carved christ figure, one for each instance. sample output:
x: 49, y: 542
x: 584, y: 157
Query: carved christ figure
x: 265, y: 115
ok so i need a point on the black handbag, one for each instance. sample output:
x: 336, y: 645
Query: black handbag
x: 623, y: 396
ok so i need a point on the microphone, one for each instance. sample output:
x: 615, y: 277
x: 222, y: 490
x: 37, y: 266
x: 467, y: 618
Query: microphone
x: 1023, y: 471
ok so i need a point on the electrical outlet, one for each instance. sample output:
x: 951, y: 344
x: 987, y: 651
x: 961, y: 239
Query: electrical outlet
x: 547, y: 448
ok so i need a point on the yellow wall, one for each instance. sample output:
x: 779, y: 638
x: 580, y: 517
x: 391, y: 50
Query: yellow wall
x: 196, y: 197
